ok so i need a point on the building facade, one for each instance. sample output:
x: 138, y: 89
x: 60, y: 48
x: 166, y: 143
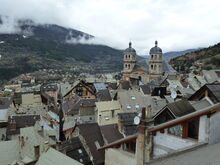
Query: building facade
x: 155, y: 62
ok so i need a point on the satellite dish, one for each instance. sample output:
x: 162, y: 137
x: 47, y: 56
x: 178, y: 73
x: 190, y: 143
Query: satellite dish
x: 137, y: 120
x: 173, y: 94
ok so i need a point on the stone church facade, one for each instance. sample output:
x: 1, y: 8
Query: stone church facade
x: 143, y: 70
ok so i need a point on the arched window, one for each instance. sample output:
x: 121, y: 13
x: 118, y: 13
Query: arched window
x: 129, y: 56
x: 152, y: 67
x: 126, y: 57
x: 129, y: 66
x: 152, y: 57
x: 125, y: 65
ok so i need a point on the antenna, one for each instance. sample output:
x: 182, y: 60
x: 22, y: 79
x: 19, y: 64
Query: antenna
x: 137, y: 120
x: 173, y: 94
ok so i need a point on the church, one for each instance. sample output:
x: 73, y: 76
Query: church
x: 143, y: 69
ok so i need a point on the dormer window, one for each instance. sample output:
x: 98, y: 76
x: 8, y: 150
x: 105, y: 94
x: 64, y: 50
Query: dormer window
x: 128, y: 107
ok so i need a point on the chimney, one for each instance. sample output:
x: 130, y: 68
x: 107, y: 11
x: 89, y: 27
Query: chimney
x: 37, y: 152
x: 58, y: 144
x: 144, y: 140
x: 46, y: 146
x: 21, y: 141
x: 12, y: 125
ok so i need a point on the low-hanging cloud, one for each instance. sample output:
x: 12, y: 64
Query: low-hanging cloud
x: 176, y: 24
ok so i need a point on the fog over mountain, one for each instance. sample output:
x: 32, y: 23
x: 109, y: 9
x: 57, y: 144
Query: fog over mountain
x: 177, y: 25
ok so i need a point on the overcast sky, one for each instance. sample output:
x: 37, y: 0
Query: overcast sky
x: 176, y: 24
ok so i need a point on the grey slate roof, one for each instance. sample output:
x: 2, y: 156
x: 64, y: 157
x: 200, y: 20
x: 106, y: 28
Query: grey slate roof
x: 201, y: 104
x: 9, y: 152
x: 125, y: 85
x: 132, y: 100
x: 103, y: 95
x: 155, y: 49
x: 127, y: 119
x: 54, y: 157
x: 21, y: 121
x: 5, y: 102
x: 130, y: 50
x: 92, y: 133
x: 143, y: 64
x: 180, y: 108
x: 146, y: 89
x: 75, y: 150
x: 213, y: 89
x: 111, y: 133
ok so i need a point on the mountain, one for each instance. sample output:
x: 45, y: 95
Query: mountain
x: 206, y: 58
x: 169, y: 55
x: 49, y: 46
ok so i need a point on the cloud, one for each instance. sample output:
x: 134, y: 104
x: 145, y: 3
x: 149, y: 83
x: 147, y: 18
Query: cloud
x: 176, y: 24
x: 9, y: 25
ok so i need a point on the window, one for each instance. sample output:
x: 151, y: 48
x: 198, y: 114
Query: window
x: 106, y: 117
x: 133, y: 97
x: 80, y: 151
x: 128, y: 107
x: 113, y: 113
x: 129, y: 66
x: 137, y: 106
x: 176, y: 130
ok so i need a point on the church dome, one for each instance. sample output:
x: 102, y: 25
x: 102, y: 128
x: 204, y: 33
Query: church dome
x: 156, y: 49
x: 130, y: 50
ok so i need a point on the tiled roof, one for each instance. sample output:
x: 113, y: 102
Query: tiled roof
x: 104, y: 95
x: 21, y: 122
x: 54, y: 157
x: 111, y: 133
x: 93, y: 137
x: 75, y: 150
x: 5, y: 102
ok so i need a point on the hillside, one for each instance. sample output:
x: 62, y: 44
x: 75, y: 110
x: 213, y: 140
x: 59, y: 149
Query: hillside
x: 172, y: 54
x: 46, y: 47
x: 207, y: 58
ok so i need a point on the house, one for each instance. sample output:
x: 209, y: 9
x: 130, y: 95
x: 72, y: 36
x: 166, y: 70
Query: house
x: 192, y: 133
x: 196, y: 81
x: 74, y: 149
x: 211, y: 75
x: 124, y: 84
x: 82, y: 109
x: 83, y: 89
x: 91, y: 137
x: 211, y: 91
x: 126, y: 124
x: 132, y: 100
x: 3, y: 123
x: 145, y: 89
x: 110, y: 133
x: 16, y: 122
x: 49, y: 94
x: 27, y: 147
x: 172, y: 111
x: 54, y: 157
x: 103, y: 95
x: 107, y: 112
